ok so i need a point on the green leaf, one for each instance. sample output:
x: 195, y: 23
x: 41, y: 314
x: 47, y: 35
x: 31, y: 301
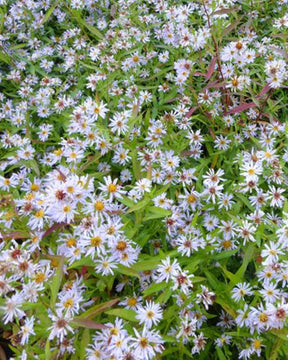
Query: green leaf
x: 88, y: 324
x: 234, y: 279
x: 194, y: 220
x: 140, y: 205
x: 93, y: 30
x: 156, y: 213
x: 155, y: 288
x: 85, y: 339
x: 127, y: 271
x: 225, y: 254
x: 226, y: 307
x: 146, y: 265
x: 34, y: 166
x: 85, y: 261
x: 132, y: 121
x: 169, y: 312
x: 56, y: 281
x: 49, y: 12
x: 285, y: 207
x: 231, y: 27
x: 97, y: 309
x: 98, y: 175
x: 142, y: 238
x: 274, y: 355
x: 5, y: 58
x: 48, y: 355
x: 135, y: 164
x: 192, y: 265
x: 238, y: 334
x: 172, y: 350
x: 248, y: 256
x: 92, y: 160
x: 161, y: 191
x: 101, y: 285
x: 220, y: 353
x: 165, y: 296
x: 245, y: 201
x: 169, y: 339
x: 126, y: 314
x: 281, y: 333
x: 153, y: 262
x: 235, y: 218
x: 212, y: 279
x: 82, y: 22
x: 196, y: 279
x: 126, y: 201
x: 18, y: 46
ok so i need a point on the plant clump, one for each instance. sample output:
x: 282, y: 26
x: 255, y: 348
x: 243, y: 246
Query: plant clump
x: 143, y: 179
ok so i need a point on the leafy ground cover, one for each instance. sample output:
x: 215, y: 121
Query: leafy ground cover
x: 143, y: 179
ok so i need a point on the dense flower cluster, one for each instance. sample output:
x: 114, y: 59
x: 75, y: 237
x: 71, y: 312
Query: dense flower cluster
x: 143, y: 179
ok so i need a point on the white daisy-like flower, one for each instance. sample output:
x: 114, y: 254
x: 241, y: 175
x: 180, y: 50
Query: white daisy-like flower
x: 150, y: 314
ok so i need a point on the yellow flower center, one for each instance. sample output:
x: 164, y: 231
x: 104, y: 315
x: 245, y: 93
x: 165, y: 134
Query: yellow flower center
x: 150, y: 314
x: 39, y: 214
x: 263, y: 318
x: 58, y: 152
x: 99, y: 205
x: 114, y: 331
x: 112, y: 188
x: 70, y: 189
x: 68, y: 303
x: 191, y: 199
x: 39, y: 278
x: 121, y: 246
x: 132, y: 301
x: 34, y: 187
x: 226, y: 244
x: 143, y: 342
x: 168, y: 269
x: 111, y: 230
x: 96, y: 241
x: 66, y: 208
x: 71, y: 242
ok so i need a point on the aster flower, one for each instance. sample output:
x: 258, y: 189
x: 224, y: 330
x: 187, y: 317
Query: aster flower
x: 111, y: 188
x: 60, y: 326
x: 12, y: 308
x: 149, y: 315
x: 147, y: 344
x: 241, y: 290
x: 27, y: 330
x: 166, y: 271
